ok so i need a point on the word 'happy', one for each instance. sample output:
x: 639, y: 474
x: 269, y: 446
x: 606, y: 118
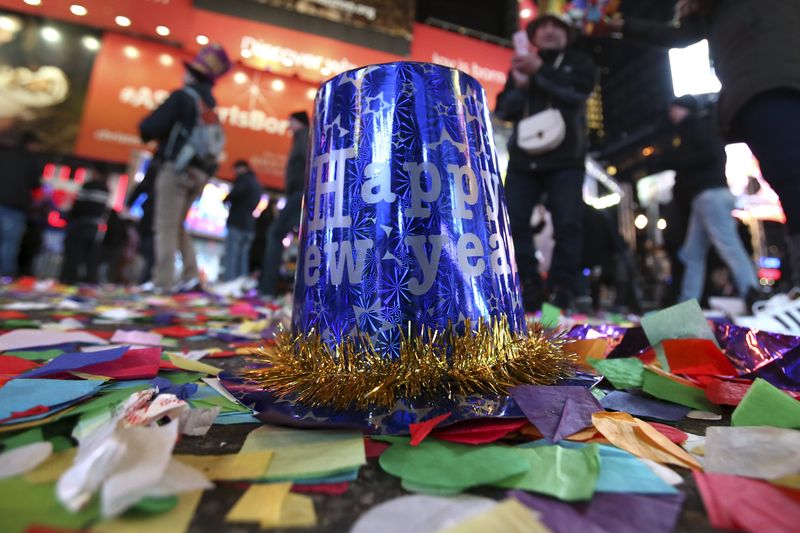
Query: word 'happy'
x: 328, y: 212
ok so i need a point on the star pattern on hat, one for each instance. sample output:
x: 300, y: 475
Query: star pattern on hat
x: 356, y: 77
x: 374, y: 104
x: 337, y: 123
x: 441, y: 109
x: 407, y: 89
x: 493, y: 302
x: 379, y: 300
x: 369, y: 318
x: 470, y: 97
x: 445, y: 137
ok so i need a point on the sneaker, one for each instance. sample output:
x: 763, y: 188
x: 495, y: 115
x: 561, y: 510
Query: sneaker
x: 779, y: 314
x: 190, y: 285
x: 561, y: 297
x: 147, y: 286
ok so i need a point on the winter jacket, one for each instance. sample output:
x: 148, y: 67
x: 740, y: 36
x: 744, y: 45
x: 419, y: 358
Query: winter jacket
x: 243, y: 199
x: 565, y: 88
x: 296, y: 162
x: 754, y: 46
x: 172, y: 122
x: 699, y: 160
x: 21, y: 174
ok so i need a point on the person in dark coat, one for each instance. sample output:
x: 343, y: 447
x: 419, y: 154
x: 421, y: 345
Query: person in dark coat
x: 241, y: 201
x: 289, y: 216
x: 171, y: 125
x: 263, y: 223
x: 551, y: 75
x: 700, y: 182
x: 82, y: 242
x: 21, y: 172
x: 755, y: 49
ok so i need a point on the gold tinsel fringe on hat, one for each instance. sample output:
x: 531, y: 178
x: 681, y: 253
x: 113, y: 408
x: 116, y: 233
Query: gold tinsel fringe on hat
x: 488, y: 359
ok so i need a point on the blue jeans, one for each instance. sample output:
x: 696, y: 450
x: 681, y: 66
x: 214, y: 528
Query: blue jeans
x: 12, y: 228
x: 237, y: 253
x: 711, y: 222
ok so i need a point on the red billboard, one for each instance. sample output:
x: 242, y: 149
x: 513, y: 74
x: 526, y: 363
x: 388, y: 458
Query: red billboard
x: 132, y: 77
x: 487, y: 63
x: 284, y: 51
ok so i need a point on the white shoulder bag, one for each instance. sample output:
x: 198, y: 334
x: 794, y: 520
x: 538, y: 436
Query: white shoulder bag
x: 544, y: 131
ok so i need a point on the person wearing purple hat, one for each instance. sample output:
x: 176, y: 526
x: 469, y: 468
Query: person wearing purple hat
x: 190, y: 140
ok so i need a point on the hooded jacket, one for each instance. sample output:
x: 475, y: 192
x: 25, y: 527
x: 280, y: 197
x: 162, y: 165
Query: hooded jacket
x: 172, y: 122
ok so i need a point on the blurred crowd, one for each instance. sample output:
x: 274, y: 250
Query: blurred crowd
x: 755, y: 50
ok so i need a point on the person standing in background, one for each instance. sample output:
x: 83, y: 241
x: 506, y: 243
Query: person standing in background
x: 241, y: 201
x: 21, y: 172
x: 701, y: 185
x: 549, y: 74
x: 82, y: 243
x: 263, y: 223
x: 289, y: 216
x: 187, y: 156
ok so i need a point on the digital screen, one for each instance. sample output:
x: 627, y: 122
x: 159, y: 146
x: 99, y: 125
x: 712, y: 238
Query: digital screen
x: 691, y: 70
x: 208, y: 215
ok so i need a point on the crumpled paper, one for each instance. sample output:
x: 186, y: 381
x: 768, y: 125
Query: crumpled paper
x: 130, y: 457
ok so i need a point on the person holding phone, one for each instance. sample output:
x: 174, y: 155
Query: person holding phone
x: 547, y: 73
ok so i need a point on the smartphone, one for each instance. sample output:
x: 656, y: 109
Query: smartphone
x: 521, y: 43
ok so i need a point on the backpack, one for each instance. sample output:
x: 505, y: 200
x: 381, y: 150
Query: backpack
x: 206, y: 140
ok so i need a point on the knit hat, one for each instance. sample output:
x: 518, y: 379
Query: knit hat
x: 300, y: 116
x: 561, y: 20
x: 210, y: 62
x: 687, y: 101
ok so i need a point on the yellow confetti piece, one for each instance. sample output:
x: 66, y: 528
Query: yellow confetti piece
x: 307, y: 453
x: 248, y: 327
x: 297, y: 511
x: 508, y: 516
x: 230, y: 467
x: 84, y: 375
x: 260, y: 504
x: 792, y: 481
x: 193, y: 366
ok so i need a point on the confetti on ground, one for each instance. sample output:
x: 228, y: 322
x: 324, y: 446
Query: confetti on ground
x: 94, y: 369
